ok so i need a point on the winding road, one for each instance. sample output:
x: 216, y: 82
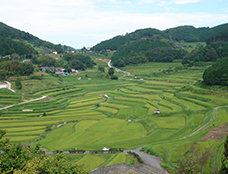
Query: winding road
x: 118, y: 70
x: 154, y: 161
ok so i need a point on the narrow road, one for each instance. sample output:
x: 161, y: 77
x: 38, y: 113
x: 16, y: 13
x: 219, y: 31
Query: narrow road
x: 154, y: 161
x: 118, y: 70
x: 32, y: 100
x: 7, y: 85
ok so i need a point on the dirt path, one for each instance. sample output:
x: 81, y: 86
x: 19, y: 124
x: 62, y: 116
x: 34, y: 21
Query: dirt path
x: 23, y: 102
x: 213, y: 116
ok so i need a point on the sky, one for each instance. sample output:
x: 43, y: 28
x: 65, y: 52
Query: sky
x: 80, y: 23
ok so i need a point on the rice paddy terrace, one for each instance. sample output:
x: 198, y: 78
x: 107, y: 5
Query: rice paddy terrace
x: 95, y: 112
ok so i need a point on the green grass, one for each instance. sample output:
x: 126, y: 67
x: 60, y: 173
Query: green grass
x: 222, y: 117
x: 120, y: 158
x: 169, y: 122
x: 91, y: 162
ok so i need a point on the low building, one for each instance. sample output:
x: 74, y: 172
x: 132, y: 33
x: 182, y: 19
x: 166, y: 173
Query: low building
x: 26, y: 60
x: 65, y: 73
x: 157, y: 111
x: 105, y: 149
x: 46, y: 52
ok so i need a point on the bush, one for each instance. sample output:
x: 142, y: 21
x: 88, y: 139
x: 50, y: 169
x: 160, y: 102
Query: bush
x: 114, y: 77
x: 136, y: 156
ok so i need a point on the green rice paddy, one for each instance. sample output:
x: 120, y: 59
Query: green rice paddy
x: 97, y: 113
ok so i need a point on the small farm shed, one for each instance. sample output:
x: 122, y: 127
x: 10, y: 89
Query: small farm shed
x: 105, y: 149
x: 157, y: 111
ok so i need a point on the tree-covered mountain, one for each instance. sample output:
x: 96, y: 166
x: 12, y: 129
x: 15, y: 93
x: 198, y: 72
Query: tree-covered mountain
x: 119, y: 41
x: 181, y: 33
x: 9, y: 46
x: 216, y: 48
x: 149, y: 44
x: 9, y: 37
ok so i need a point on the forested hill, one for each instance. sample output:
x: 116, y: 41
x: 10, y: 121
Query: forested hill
x: 20, y: 38
x: 181, y: 33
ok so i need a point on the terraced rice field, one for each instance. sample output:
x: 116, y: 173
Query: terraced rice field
x: 97, y: 113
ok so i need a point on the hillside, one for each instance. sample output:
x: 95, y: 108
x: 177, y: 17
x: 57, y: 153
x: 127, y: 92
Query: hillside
x: 26, y: 40
x: 181, y: 33
x: 152, y: 45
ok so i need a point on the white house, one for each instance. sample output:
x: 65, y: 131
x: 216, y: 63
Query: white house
x: 55, y: 52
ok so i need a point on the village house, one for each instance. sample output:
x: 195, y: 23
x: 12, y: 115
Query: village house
x: 26, y: 60
x: 46, y: 52
x: 157, y: 111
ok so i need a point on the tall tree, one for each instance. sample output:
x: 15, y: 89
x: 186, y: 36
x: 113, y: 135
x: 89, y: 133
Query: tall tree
x: 111, y: 71
x: 18, y: 83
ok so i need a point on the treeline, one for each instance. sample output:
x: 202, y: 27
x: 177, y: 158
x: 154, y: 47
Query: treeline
x: 68, y: 61
x: 14, y: 67
x: 9, y: 46
x: 165, y: 54
x: 217, y: 74
x: 210, y: 52
x: 143, y: 51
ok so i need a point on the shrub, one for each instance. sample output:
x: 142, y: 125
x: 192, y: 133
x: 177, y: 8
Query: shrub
x: 114, y: 77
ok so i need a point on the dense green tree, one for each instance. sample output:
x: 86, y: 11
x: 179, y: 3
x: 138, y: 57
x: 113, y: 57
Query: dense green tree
x: 2, y: 74
x: 217, y: 73
x: 111, y: 71
x: 101, y: 68
x: 82, y: 61
x: 18, y: 83
x: 18, y: 159
x: 47, y: 61
x: 77, y: 64
x: 15, y: 67
x: 51, y: 165
x: 210, y: 54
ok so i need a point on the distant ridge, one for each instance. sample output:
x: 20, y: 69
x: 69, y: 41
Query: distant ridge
x: 185, y: 33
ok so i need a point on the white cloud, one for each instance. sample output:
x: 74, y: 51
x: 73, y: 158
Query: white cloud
x: 78, y: 19
x: 148, y: 1
x: 168, y: 2
x: 185, y: 1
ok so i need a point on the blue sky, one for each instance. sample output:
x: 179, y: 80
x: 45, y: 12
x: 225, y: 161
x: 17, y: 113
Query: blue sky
x: 79, y: 23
